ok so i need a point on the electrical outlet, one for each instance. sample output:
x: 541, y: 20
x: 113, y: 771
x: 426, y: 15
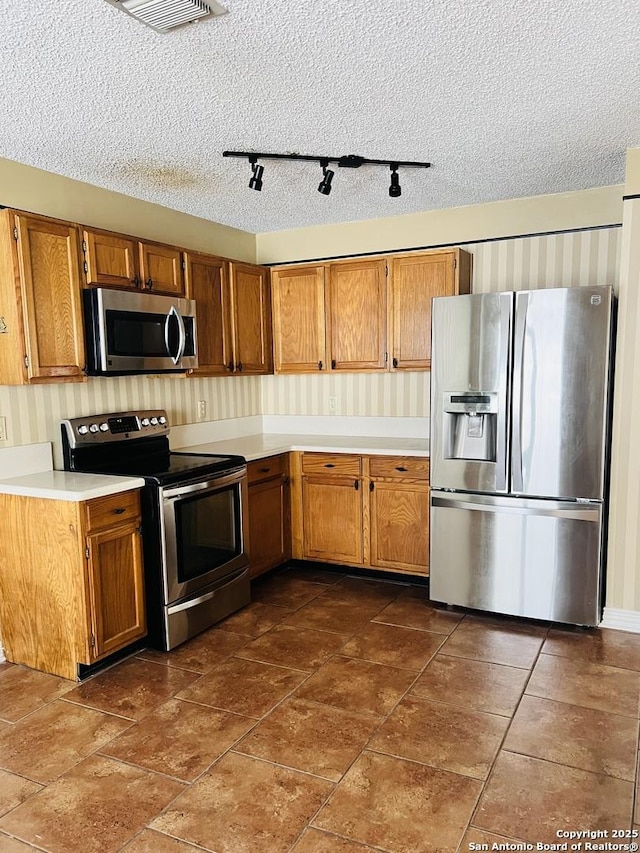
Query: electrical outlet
x: 201, y: 411
x: 333, y: 404
x: 3, y: 429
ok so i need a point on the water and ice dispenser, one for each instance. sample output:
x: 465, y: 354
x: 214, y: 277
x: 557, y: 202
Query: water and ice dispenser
x: 470, y: 425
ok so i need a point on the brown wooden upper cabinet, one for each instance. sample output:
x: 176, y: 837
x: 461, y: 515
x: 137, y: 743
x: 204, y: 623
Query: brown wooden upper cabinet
x: 41, y: 333
x: 117, y: 260
x: 357, y: 315
x: 413, y: 281
x: 299, y: 330
x: 234, y: 317
x: 251, y: 319
x: 362, y: 315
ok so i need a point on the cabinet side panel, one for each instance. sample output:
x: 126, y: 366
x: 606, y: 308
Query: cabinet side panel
x: 12, y: 349
x: 41, y: 570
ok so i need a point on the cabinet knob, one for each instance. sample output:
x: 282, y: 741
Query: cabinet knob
x: 239, y: 366
x: 149, y: 283
x: 230, y: 367
x: 135, y: 282
x: 371, y: 486
x: 333, y: 364
x: 400, y: 468
x: 319, y: 365
x: 265, y: 470
x: 329, y: 465
x: 356, y: 485
x: 395, y: 362
x: 119, y: 510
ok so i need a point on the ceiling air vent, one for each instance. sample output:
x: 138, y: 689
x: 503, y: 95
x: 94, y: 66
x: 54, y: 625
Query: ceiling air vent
x: 164, y: 15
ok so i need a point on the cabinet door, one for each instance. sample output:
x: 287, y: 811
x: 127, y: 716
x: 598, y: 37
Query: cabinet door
x: 207, y: 283
x: 251, y: 323
x: 109, y: 259
x: 399, y: 518
x: 116, y: 588
x: 332, y: 519
x: 269, y: 525
x: 414, y: 281
x: 161, y: 268
x: 48, y: 261
x: 299, y: 331
x: 357, y: 315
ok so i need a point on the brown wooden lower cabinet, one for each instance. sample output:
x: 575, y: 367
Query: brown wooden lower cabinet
x: 71, y: 580
x: 368, y: 511
x: 269, y: 514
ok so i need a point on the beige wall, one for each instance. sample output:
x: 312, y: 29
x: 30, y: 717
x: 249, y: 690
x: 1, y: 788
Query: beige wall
x: 37, y: 191
x: 623, y: 582
x: 541, y: 214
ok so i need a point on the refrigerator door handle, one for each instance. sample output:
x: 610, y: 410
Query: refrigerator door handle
x: 553, y: 510
x: 503, y: 378
x: 522, y: 303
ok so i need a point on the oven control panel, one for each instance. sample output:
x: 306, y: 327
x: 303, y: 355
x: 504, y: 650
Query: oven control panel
x: 115, y: 426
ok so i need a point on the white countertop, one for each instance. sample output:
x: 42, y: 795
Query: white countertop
x: 266, y: 444
x: 67, y: 485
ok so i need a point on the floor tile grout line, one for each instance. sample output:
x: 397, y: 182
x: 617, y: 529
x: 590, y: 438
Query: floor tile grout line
x: 504, y: 737
x: 21, y: 840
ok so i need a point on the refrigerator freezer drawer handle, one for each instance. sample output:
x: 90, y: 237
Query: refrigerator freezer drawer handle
x: 583, y: 514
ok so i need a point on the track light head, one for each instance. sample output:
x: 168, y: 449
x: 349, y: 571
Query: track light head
x: 324, y: 186
x: 395, y: 189
x: 255, y: 182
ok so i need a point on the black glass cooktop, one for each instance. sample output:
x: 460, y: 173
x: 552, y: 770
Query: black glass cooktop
x: 163, y: 468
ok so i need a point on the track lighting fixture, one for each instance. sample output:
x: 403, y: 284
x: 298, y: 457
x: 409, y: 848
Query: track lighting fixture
x: 324, y: 186
x: 348, y: 161
x: 394, y: 188
x: 255, y: 182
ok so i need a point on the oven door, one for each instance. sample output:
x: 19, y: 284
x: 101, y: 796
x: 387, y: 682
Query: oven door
x: 204, y: 531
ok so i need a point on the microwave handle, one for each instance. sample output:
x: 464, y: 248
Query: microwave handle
x: 182, y: 336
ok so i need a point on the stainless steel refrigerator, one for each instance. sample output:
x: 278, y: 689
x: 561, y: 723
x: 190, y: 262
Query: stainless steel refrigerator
x: 520, y: 415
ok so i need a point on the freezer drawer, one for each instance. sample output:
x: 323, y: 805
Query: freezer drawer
x: 535, y: 558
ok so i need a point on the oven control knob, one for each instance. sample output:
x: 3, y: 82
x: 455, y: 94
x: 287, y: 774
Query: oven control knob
x: 104, y: 427
x: 162, y: 419
x: 94, y: 428
x: 145, y: 422
x: 83, y: 429
x: 154, y: 421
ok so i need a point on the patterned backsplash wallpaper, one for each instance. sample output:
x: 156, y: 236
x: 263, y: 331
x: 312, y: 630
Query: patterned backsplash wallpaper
x: 33, y: 414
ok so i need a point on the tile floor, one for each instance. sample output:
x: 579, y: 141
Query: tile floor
x: 332, y: 714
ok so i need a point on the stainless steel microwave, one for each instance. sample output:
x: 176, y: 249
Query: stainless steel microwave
x: 130, y: 332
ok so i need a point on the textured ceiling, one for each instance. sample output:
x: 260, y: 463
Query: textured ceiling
x: 507, y: 98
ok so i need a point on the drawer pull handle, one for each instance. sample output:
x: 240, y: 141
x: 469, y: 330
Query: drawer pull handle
x: 329, y: 465
x: 356, y: 485
x: 119, y: 510
x: 371, y: 486
x: 400, y: 468
x: 319, y: 365
x: 395, y: 362
x: 333, y: 364
x: 265, y: 470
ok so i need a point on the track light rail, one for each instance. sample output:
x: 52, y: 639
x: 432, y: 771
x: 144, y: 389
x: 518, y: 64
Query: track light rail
x: 349, y: 161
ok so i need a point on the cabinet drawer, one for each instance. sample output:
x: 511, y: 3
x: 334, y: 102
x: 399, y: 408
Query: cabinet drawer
x: 266, y: 469
x: 113, y: 509
x: 331, y: 463
x: 405, y: 467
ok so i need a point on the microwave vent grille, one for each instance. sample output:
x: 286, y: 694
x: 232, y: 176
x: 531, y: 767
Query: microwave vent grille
x: 164, y: 15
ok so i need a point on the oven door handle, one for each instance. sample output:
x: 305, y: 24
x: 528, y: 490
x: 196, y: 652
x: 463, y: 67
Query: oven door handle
x: 214, y: 485
x: 182, y: 336
x: 207, y: 596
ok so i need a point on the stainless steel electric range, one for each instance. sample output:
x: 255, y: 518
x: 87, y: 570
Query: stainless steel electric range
x: 194, y: 518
